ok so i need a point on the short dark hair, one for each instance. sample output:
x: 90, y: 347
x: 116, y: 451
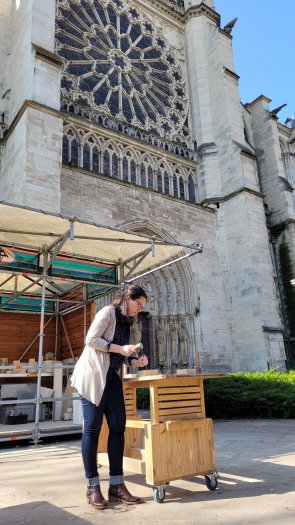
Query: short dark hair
x: 134, y: 292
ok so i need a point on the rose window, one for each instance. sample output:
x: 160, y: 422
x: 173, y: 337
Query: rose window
x: 117, y: 63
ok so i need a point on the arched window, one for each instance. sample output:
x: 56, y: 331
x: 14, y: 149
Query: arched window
x: 175, y: 186
x: 166, y: 183
x: 159, y: 180
x: 133, y: 172
x: 125, y: 169
x: 181, y: 187
x: 86, y: 157
x: 74, y: 152
x: 143, y: 174
x: 191, y: 189
x: 65, y: 150
x: 95, y: 159
x: 150, y: 178
x: 106, y: 163
x: 115, y: 166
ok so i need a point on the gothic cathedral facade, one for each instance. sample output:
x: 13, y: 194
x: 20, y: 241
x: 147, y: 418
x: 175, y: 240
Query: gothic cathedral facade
x: 127, y: 112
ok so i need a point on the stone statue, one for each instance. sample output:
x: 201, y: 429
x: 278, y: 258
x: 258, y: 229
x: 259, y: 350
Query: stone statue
x: 229, y: 27
x: 174, y: 345
x: 274, y: 112
x: 135, y: 333
x: 160, y: 338
x: 183, y: 340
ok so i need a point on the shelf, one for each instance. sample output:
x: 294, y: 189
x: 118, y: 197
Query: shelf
x: 6, y: 376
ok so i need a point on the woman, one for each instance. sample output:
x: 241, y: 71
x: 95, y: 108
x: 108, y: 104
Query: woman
x: 96, y: 378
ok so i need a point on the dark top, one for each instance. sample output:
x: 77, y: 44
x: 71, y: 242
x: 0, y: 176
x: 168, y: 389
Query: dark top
x: 121, y: 337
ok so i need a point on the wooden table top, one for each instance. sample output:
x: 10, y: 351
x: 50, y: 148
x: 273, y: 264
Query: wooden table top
x: 158, y: 377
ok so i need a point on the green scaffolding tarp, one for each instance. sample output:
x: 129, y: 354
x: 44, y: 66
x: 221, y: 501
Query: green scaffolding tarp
x: 42, y: 252
x: 69, y: 267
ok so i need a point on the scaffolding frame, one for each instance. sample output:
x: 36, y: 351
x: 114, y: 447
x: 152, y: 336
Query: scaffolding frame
x: 141, y: 259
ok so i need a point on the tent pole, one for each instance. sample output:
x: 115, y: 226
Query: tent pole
x: 56, y: 332
x: 161, y: 266
x: 85, y: 311
x: 40, y: 355
x: 121, y: 278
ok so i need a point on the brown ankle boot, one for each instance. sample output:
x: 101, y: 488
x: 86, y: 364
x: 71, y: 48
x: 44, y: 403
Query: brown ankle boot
x: 120, y: 493
x: 95, y: 497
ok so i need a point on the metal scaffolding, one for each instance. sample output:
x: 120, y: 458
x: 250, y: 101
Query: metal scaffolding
x: 52, y: 237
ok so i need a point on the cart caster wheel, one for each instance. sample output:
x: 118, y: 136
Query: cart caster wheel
x: 211, y: 481
x: 159, y: 494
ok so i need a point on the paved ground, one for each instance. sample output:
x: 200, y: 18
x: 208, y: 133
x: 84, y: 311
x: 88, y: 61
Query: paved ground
x: 256, y: 460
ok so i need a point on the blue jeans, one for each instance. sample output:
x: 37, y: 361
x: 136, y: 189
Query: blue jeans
x: 113, y: 407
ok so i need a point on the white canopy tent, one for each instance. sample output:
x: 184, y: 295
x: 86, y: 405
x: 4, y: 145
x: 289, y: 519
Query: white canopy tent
x: 50, y: 236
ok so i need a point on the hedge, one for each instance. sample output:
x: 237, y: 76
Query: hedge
x: 269, y: 394
x: 239, y: 395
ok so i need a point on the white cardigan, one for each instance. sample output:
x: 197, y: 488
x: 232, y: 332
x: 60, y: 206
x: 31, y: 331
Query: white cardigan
x: 89, y: 375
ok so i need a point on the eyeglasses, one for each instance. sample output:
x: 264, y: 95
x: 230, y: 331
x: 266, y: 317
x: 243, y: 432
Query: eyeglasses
x: 140, y: 306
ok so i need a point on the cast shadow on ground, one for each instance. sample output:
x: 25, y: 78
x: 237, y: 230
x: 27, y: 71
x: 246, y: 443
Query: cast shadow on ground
x: 255, y: 476
x: 37, y: 513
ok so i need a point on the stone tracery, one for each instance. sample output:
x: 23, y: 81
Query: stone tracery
x: 113, y: 158
x: 117, y: 62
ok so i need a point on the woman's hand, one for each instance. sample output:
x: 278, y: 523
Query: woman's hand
x: 140, y: 362
x: 129, y: 350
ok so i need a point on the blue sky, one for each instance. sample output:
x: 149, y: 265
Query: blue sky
x: 263, y: 46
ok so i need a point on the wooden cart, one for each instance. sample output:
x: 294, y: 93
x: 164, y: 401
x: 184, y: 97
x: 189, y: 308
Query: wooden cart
x: 177, y: 441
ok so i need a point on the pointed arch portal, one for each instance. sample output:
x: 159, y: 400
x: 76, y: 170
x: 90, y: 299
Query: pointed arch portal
x: 172, y: 307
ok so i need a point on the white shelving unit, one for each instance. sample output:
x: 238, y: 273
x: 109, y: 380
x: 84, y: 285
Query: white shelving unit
x: 57, y: 375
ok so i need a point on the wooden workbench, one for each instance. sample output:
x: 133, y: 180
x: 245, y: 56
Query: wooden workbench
x: 177, y: 441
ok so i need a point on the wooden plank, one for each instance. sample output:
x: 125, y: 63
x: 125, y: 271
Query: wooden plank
x: 181, y: 381
x: 182, y: 417
x: 18, y: 331
x: 92, y: 311
x: 136, y: 423
x: 134, y: 465
x: 179, y: 390
x: 183, y: 425
x: 137, y: 453
x: 184, y: 410
x: 167, y: 397
x: 133, y: 439
x: 154, y: 404
x: 130, y: 401
x: 175, y: 404
x: 167, y: 460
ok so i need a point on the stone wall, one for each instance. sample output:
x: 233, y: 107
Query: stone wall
x: 226, y: 294
x: 31, y: 151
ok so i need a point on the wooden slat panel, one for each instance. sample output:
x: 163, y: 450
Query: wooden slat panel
x: 17, y: 331
x: 181, y: 381
x: 182, y: 417
x: 184, y: 410
x: 183, y: 425
x: 172, y: 404
x: 167, y: 461
x: 180, y: 390
x: 74, y: 323
x: 130, y: 401
x: 167, y: 397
